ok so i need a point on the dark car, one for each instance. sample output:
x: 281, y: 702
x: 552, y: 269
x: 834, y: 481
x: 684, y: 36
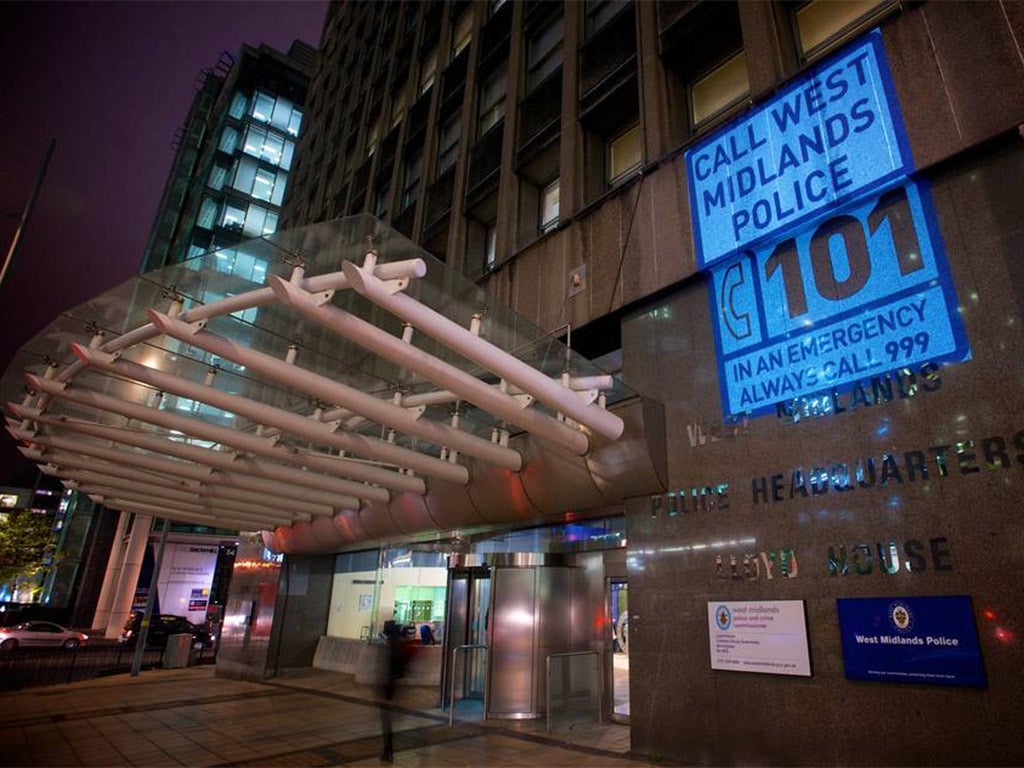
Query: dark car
x: 161, y: 627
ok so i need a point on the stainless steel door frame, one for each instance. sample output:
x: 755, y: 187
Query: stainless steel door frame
x: 467, y: 598
x: 609, y: 699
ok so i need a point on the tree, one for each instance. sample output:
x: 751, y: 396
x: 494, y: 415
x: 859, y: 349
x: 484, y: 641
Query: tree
x: 24, y: 536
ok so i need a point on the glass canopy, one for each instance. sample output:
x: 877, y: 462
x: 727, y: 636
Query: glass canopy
x: 241, y: 358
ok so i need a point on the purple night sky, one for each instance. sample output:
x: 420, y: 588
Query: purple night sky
x: 111, y: 82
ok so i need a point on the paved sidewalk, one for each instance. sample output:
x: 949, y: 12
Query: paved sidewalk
x: 305, y: 718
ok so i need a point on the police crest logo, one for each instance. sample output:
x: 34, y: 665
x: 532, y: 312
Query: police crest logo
x: 901, y: 617
x: 723, y: 617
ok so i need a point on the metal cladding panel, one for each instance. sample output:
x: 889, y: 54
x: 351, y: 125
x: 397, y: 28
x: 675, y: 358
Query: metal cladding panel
x: 499, y: 495
x: 556, y: 619
x: 349, y: 525
x: 294, y: 539
x: 376, y: 519
x: 325, y: 532
x: 633, y: 465
x: 512, y: 660
x: 410, y: 514
x: 452, y: 507
x: 557, y: 481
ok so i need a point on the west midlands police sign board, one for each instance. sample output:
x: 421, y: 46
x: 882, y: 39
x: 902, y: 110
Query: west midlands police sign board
x: 825, y: 261
x: 931, y: 640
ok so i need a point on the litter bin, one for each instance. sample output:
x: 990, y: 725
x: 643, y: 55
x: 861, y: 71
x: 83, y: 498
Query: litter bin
x: 176, y: 655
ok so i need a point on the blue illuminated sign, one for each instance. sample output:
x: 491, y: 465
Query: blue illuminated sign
x: 832, y: 135
x: 930, y: 640
x: 825, y: 262
x: 859, y: 294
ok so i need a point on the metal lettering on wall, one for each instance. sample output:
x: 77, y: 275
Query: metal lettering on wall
x: 822, y: 271
x: 965, y: 457
x: 913, y: 556
x: 946, y: 460
x: 767, y: 564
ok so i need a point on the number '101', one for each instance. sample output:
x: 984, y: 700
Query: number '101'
x: 893, y: 206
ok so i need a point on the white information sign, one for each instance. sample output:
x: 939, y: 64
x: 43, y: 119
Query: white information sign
x: 768, y: 636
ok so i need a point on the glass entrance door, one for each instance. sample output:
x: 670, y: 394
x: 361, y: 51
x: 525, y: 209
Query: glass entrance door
x: 618, y: 615
x: 469, y: 591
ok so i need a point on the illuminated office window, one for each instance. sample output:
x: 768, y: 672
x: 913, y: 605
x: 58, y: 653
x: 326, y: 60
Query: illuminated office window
x: 228, y: 140
x: 549, y: 206
x: 238, y: 104
x: 491, y: 246
x: 624, y: 154
x: 263, y: 107
x: 718, y: 90
x: 820, y: 21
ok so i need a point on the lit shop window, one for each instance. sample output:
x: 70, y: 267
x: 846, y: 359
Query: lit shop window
x: 718, y: 90
x: 821, y: 22
x: 549, y: 206
x: 624, y: 154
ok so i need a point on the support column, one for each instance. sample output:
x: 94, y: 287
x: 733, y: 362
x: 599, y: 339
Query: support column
x: 121, y: 606
x: 110, y: 579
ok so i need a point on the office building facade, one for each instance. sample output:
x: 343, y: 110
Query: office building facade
x: 600, y: 165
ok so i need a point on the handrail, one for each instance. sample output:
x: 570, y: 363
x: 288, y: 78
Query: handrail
x: 455, y: 661
x: 547, y: 681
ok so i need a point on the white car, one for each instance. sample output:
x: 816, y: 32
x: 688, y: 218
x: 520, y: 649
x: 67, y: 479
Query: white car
x: 35, y: 634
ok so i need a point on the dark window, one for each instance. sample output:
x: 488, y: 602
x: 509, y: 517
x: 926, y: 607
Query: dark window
x: 543, y: 54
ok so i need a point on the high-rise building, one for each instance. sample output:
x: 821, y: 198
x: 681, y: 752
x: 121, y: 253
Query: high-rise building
x: 233, y: 156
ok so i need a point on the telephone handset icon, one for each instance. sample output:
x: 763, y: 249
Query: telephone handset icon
x: 738, y: 323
